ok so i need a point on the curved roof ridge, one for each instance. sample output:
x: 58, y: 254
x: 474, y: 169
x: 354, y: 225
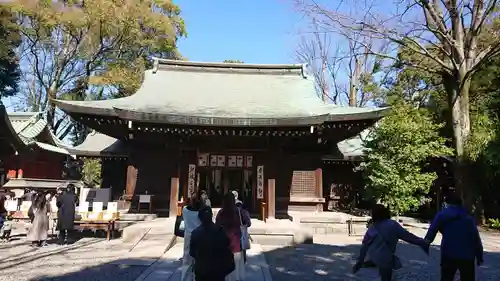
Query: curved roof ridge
x: 226, y: 64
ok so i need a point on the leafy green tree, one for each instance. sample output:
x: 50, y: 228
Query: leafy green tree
x: 72, y: 49
x: 91, y: 172
x: 459, y: 37
x: 397, y: 150
x: 9, y: 62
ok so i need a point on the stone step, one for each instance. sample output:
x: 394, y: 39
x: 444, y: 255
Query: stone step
x: 167, y: 268
x: 137, y: 217
x: 341, y: 228
x: 269, y: 239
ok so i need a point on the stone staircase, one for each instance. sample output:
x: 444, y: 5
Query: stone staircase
x: 278, y: 233
x: 325, y: 223
x: 137, y: 217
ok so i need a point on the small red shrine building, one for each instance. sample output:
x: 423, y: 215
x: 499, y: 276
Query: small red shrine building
x: 28, y: 149
x: 258, y: 129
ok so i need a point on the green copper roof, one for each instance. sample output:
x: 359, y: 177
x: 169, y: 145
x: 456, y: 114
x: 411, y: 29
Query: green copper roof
x: 223, y: 94
x: 354, y: 147
x: 29, y: 126
x: 97, y: 144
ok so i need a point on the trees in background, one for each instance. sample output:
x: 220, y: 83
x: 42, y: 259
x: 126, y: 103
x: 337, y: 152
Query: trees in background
x: 90, y: 50
x: 452, y: 40
x: 9, y: 61
x: 91, y: 172
x: 345, y: 72
x: 398, y: 147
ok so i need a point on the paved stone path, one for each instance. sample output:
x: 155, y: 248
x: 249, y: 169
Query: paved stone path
x: 90, y: 259
x: 167, y: 268
x: 332, y: 256
x: 95, y: 259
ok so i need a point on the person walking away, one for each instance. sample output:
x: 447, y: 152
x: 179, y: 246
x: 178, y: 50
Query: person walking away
x: 191, y: 222
x: 245, y: 223
x: 38, y: 232
x: 66, y: 204
x: 210, y: 249
x: 380, y: 242
x: 228, y: 217
x: 461, y: 244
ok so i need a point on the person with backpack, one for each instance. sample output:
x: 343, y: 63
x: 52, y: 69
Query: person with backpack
x: 210, y: 249
x: 380, y: 241
x: 461, y: 245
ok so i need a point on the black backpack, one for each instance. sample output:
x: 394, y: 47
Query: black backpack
x: 214, y: 256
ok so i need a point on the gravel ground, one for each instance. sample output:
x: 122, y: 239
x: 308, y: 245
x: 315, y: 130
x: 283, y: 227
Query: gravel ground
x: 89, y: 259
x: 332, y: 257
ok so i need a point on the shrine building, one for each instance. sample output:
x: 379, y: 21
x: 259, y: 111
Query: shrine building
x: 257, y: 129
x: 31, y: 156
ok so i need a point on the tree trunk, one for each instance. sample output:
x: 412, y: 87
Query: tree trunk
x: 51, y: 108
x: 354, y: 82
x: 458, y: 98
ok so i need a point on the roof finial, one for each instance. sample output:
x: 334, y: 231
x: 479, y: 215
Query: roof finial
x: 156, y: 64
x: 304, y: 70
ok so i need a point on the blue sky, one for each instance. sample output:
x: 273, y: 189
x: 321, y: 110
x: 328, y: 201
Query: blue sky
x: 259, y: 31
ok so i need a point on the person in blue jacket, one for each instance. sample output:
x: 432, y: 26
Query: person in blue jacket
x: 461, y: 246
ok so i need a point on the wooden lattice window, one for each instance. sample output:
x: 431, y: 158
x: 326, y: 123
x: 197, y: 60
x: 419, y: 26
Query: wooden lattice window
x: 303, y: 184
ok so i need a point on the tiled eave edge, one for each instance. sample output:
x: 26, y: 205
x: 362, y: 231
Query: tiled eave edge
x: 52, y: 148
x: 88, y: 153
x: 332, y: 159
x: 68, y: 107
x: 218, y: 121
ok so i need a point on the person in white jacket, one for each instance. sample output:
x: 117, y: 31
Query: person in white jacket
x: 191, y: 222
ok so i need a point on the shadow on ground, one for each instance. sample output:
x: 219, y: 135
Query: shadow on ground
x: 119, y: 270
x: 320, y: 262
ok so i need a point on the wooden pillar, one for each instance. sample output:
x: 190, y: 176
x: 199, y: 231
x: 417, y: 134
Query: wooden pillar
x: 131, y: 181
x: 319, y: 188
x: 174, y: 196
x: 271, y: 197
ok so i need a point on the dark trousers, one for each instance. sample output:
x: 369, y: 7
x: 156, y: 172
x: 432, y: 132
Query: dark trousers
x: 449, y: 268
x: 385, y: 274
x: 64, y: 235
x: 38, y: 243
x: 6, y: 234
x: 199, y: 277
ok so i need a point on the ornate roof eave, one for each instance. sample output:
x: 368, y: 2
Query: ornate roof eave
x: 374, y: 114
x: 69, y: 108
x: 52, y: 148
x: 219, y: 121
x: 100, y: 145
x: 98, y: 154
